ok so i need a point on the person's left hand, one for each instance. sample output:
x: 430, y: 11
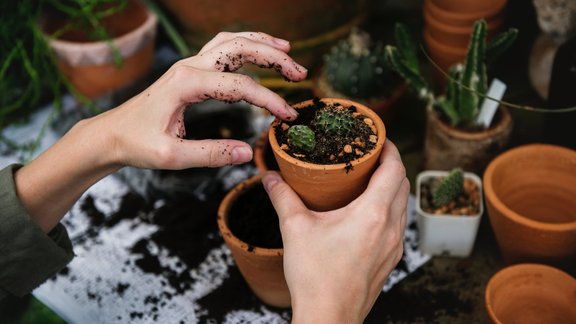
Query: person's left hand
x: 148, y: 130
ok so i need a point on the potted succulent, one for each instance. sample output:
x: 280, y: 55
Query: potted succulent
x: 329, y: 152
x: 454, y: 138
x: 449, y: 206
x: 249, y: 225
x: 355, y: 69
x: 100, y: 46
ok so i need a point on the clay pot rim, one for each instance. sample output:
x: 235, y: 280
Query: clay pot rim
x: 520, y: 268
x: 260, y: 149
x: 458, y: 30
x: 491, y: 195
x: 329, y: 167
x: 488, y: 12
x: 223, y: 211
x: 149, y: 23
x: 505, y: 121
x: 487, y: 15
x: 435, y: 173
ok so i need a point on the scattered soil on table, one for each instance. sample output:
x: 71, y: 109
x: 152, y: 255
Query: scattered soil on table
x: 330, y: 148
x: 467, y: 203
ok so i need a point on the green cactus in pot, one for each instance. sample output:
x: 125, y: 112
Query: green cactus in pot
x: 467, y: 83
x: 356, y: 67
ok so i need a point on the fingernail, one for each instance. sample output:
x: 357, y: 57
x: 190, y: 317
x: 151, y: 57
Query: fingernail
x: 241, y: 154
x: 270, y: 179
x: 281, y: 42
x: 293, y: 114
x: 300, y: 68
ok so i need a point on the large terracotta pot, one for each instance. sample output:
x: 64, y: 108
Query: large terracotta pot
x: 447, y: 147
x: 531, y: 293
x: 90, y: 66
x: 262, y: 268
x: 328, y: 187
x: 530, y: 193
x: 310, y: 26
x: 463, y: 18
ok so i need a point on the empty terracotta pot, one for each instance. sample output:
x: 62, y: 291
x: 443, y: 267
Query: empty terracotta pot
x: 263, y: 156
x: 262, y: 268
x: 464, y: 19
x: 531, y: 293
x: 530, y: 193
x: 484, y: 7
x: 329, y: 186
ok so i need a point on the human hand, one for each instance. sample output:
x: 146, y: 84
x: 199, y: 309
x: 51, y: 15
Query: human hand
x: 337, y: 262
x: 148, y: 130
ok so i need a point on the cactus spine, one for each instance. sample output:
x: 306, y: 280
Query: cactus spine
x: 334, y: 121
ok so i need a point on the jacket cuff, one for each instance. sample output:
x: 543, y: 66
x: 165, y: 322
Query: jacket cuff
x: 28, y: 256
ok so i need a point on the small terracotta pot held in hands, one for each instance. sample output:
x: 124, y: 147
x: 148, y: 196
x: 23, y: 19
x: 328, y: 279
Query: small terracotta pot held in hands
x: 262, y: 268
x: 328, y: 187
x: 530, y: 193
x: 531, y: 293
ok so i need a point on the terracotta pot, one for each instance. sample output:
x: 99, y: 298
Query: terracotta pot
x: 263, y: 156
x: 471, y: 6
x: 443, y: 56
x: 328, y: 187
x: 531, y: 293
x: 447, y: 147
x: 383, y: 106
x: 442, y: 234
x: 457, y: 36
x: 90, y: 65
x: 262, y: 268
x: 464, y: 19
x: 309, y: 27
x: 530, y: 194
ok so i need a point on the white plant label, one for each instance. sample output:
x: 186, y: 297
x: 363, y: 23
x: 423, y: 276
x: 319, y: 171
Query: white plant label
x: 489, y: 106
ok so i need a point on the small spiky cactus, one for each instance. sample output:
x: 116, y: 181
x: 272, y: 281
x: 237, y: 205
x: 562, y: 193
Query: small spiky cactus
x: 467, y: 84
x: 333, y: 120
x: 449, y: 188
x: 302, y: 137
x: 356, y: 67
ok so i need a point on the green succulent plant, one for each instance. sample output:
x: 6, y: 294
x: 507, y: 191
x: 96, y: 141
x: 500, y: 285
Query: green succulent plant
x: 356, y: 66
x: 334, y: 121
x: 302, y: 137
x: 467, y: 83
x: 449, y: 188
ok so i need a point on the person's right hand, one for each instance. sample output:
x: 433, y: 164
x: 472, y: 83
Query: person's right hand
x: 337, y: 262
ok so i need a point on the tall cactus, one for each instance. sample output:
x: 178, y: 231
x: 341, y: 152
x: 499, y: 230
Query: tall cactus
x: 467, y: 84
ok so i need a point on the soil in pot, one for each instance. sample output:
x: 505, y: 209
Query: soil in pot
x: 467, y: 203
x: 254, y: 220
x: 331, y: 147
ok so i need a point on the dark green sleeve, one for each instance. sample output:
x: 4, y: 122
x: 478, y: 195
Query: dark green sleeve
x: 28, y: 256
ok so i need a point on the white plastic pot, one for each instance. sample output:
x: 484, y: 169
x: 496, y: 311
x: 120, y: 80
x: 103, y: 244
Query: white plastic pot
x: 447, y: 235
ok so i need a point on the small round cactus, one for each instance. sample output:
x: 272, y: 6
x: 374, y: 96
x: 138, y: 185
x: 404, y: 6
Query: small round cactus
x: 334, y: 121
x: 356, y: 68
x: 302, y: 137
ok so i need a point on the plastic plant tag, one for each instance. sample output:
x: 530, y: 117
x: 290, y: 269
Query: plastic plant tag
x: 489, y: 105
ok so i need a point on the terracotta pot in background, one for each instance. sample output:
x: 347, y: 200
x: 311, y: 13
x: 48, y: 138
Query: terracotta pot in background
x: 446, y: 147
x: 308, y: 25
x: 530, y: 195
x: 263, y: 156
x: 327, y: 187
x: 262, y: 268
x: 464, y: 19
x: 531, y: 293
x: 90, y: 65
x: 471, y: 6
